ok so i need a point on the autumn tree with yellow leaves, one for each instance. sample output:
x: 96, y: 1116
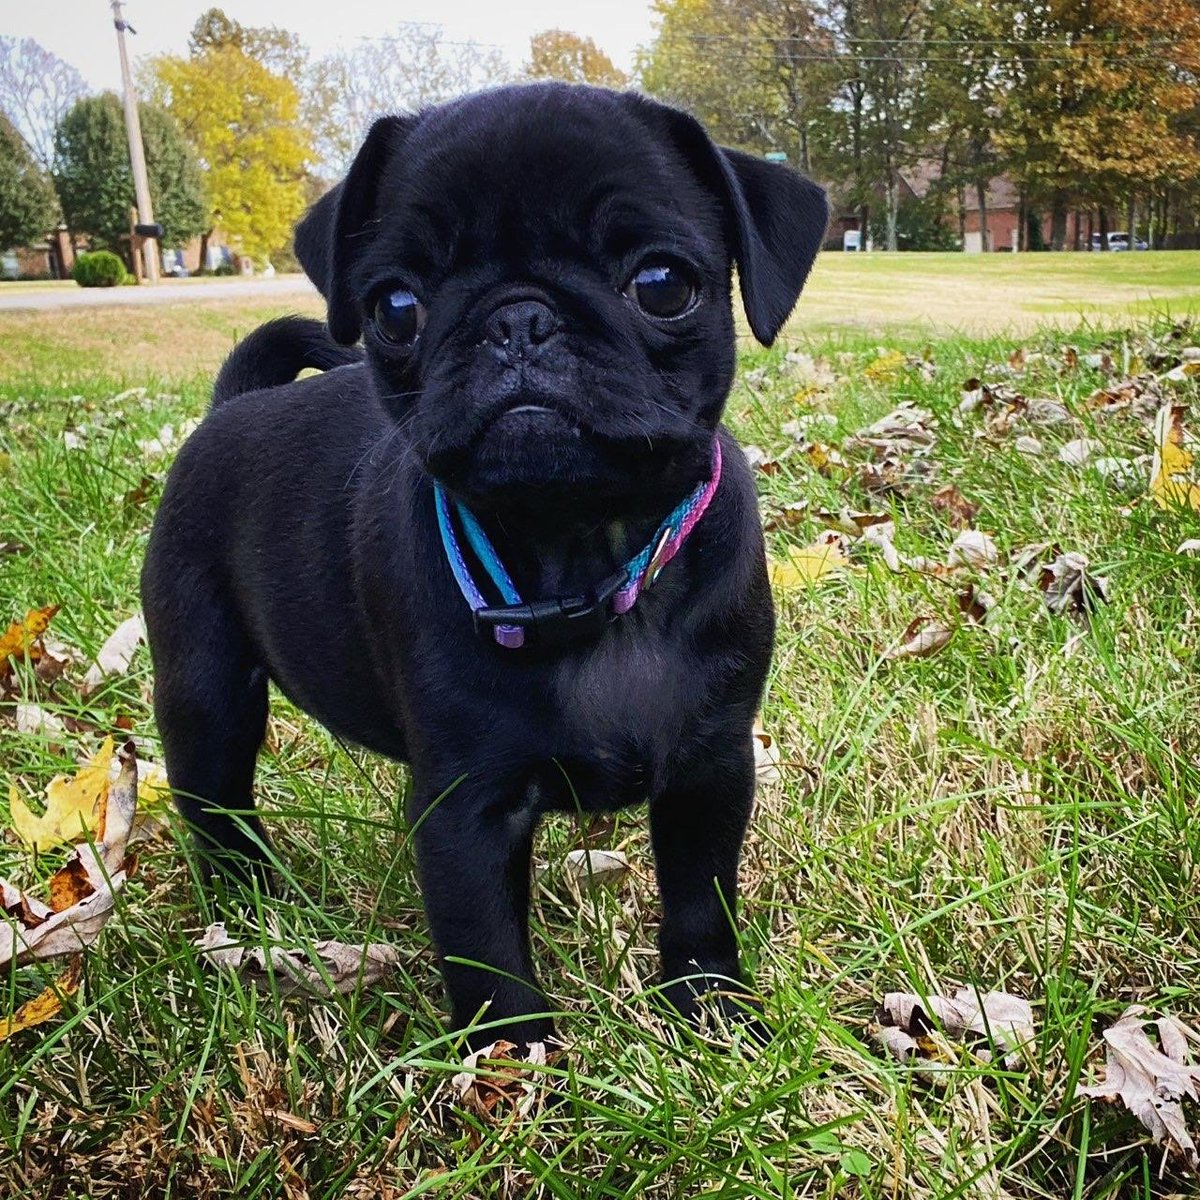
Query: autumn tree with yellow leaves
x: 243, y: 118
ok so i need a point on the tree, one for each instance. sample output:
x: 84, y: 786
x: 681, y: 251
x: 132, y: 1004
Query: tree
x: 28, y: 206
x: 705, y: 60
x: 37, y: 89
x: 1092, y: 98
x: 242, y: 121
x: 95, y: 182
x: 409, y: 69
x: 559, y: 54
x: 279, y: 50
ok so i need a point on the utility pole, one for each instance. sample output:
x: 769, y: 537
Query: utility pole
x: 137, y: 156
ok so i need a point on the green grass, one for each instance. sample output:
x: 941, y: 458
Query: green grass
x: 1016, y: 812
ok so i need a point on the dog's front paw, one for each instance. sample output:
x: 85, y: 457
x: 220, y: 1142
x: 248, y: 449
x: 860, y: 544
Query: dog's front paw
x: 718, y: 1007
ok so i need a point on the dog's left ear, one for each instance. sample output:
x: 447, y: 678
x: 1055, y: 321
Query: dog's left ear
x: 776, y: 217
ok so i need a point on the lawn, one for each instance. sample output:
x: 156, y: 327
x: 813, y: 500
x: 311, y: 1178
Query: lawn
x: 1016, y: 811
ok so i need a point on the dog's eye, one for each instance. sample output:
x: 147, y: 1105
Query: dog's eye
x: 399, y: 317
x: 662, y: 289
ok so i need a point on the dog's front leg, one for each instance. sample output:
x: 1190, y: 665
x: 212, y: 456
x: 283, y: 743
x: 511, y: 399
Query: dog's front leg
x: 697, y: 824
x: 473, y: 854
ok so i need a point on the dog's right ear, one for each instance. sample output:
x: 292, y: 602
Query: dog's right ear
x: 338, y: 227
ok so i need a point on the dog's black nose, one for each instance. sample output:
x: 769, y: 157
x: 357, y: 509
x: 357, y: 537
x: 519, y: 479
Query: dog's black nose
x: 516, y: 327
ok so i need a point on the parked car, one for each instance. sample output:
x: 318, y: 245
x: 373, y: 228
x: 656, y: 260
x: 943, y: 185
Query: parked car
x: 1119, y: 240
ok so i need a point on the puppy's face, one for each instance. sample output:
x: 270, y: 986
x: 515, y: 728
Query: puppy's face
x: 541, y: 277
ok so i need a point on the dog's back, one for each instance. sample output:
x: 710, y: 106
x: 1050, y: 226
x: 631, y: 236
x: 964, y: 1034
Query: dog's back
x: 275, y: 353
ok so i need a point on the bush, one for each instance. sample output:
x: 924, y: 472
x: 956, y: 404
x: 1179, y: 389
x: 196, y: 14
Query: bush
x: 101, y: 268
x: 225, y: 268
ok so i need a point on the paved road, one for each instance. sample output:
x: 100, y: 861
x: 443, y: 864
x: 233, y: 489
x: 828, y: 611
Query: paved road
x: 170, y: 291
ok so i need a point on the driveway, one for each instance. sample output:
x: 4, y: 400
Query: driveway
x: 170, y: 291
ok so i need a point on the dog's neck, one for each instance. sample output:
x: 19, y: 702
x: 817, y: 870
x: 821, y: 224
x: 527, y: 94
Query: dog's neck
x: 557, y: 557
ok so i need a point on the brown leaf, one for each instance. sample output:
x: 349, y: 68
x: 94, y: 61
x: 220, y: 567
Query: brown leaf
x: 1151, y: 1080
x: 495, y: 1086
x: 923, y: 638
x: 1068, y: 586
x: 1004, y: 1019
x: 959, y: 511
x: 343, y: 965
x: 786, y: 516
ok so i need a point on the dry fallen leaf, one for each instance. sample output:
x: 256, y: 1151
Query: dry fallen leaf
x: 343, y: 965
x: 1069, y: 588
x: 851, y: 522
x: 958, y: 510
x: 1077, y: 452
x: 504, y: 1086
x: 972, y: 549
x: 998, y: 1017
x: 32, y: 718
x: 117, y: 652
x: 906, y: 428
x: 766, y: 755
x: 923, y: 638
x: 809, y: 564
x: 21, y: 640
x: 887, y: 366
x: 82, y: 898
x: 786, y: 516
x: 589, y: 868
x: 72, y: 805
x: 1151, y: 1080
x: 47, y: 1003
x: 1174, y: 455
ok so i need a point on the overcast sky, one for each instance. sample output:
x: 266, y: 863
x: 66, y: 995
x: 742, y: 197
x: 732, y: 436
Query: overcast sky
x: 81, y: 30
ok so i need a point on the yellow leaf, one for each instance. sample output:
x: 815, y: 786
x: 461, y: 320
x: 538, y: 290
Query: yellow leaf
x: 45, y: 1004
x: 886, y: 366
x: 808, y: 564
x: 72, y: 805
x: 19, y: 637
x: 1169, y: 485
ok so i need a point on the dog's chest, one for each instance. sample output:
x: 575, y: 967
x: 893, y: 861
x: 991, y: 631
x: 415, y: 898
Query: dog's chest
x: 615, y: 721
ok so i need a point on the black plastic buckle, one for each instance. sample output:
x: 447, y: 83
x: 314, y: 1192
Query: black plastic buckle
x: 557, y: 621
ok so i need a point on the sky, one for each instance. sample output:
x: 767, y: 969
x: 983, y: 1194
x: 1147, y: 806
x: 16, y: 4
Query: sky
x: 81, y: 30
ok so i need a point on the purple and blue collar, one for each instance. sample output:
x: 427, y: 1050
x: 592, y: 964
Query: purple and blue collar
x: 562, y: 619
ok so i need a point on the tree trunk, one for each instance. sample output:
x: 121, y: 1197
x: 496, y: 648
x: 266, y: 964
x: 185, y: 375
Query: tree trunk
x: 962, y: 217
x: 805, y: 161
x: 1103, y: 227
x: 981, y: 199
x: 1131, y: 221
x: 1091, y: 227
x: 202, y: 266
x: 893, y: 211
x: 1019, y: 234
x: 1075, y: 238
x: 1058, y: 222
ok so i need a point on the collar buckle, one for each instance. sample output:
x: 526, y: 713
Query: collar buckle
x: 557, y: 621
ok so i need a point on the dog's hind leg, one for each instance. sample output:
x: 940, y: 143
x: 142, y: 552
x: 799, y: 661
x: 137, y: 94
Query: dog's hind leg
x: 210, y: 702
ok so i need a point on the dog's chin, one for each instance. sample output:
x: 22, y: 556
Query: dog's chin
x: 531, y: 457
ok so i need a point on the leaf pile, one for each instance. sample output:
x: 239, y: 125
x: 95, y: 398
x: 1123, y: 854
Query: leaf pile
x: 82, y: 899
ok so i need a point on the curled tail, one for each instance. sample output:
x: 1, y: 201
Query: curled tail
x: 275, y: 353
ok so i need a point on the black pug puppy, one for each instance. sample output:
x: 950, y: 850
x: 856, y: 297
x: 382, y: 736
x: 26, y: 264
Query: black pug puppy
x: 528, y: 551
